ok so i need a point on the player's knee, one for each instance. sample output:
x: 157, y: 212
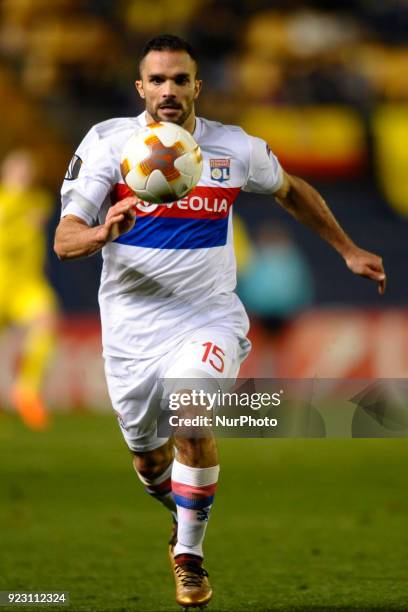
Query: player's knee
x: 153, y: 463
x: 197, y: 452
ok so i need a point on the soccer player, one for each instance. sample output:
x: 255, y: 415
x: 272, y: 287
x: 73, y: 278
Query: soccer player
x: 167, y: 300
x: 26, y: 298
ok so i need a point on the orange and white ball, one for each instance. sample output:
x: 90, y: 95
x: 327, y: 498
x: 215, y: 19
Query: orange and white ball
x: 161, y: 163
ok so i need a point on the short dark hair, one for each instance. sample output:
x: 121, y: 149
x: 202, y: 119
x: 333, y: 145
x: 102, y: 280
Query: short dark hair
x: 168, y: 42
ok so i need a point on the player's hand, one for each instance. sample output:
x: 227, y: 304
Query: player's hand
x: 368, y: 265
x: 120, y: 219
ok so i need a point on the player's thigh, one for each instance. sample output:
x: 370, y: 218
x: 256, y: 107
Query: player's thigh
x: 206, y: 362
x: 133, y: 390
x: 213, y: 352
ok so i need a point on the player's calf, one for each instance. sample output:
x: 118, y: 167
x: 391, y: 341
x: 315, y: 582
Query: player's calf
x: 154, y: 470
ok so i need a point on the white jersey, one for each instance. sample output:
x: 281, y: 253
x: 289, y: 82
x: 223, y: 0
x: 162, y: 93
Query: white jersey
x: 174, y: 272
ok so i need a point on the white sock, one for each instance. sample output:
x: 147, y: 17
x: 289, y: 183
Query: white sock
x: 193, y: 491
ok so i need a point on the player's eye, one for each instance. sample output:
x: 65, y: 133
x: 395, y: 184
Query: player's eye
x: 182, y: 80
x: 156, y: 80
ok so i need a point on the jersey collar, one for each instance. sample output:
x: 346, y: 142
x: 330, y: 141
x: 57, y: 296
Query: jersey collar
x: 197, y: 127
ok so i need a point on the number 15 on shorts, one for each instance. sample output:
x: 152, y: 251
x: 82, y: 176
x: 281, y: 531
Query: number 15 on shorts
x: 214, y: 355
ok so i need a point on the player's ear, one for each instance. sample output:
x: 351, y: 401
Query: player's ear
x: 139, y: 88
x: 197, y: 88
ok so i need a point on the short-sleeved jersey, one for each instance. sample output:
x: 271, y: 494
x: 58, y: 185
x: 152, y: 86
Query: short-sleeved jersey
x: 174, y: 272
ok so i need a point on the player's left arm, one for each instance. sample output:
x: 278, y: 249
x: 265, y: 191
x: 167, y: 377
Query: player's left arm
x: 304, y: 203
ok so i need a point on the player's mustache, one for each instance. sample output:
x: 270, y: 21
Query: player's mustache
x: 170, y: 104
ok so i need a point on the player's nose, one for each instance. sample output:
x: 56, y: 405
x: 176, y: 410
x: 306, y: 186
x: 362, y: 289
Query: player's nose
x: 168, y: 89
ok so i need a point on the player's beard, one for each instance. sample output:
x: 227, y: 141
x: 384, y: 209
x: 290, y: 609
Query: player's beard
x: 179, y: 119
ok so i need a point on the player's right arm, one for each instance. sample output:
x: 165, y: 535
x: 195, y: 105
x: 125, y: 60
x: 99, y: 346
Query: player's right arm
x: 85, y: 195
x: 74, y: 238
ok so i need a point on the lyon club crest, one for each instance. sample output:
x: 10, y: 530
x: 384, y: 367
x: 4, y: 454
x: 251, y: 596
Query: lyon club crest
x: 220, y: 169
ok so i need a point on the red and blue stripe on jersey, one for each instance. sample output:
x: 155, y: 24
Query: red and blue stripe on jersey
x: 198, y: 221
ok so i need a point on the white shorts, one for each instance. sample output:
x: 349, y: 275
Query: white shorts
x: 212, y: 353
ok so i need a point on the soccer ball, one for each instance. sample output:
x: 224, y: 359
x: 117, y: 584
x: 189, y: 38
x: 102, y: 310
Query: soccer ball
x: 161, y: 163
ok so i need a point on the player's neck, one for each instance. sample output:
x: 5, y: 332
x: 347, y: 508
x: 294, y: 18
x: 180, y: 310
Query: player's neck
x: 188, y: 125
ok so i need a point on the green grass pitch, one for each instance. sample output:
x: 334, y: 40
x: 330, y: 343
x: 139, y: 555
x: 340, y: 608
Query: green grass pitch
x: 296, y: 525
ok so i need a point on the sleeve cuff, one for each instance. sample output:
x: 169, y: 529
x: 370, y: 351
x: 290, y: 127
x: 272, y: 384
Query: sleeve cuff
x: 72, y: 208
x: 279, y: 180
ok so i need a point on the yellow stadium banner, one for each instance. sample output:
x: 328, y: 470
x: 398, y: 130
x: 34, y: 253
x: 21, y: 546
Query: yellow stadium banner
x: 320, y: 141
x: 390, y: 126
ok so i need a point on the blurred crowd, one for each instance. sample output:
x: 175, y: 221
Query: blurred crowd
x: 65, y: 64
